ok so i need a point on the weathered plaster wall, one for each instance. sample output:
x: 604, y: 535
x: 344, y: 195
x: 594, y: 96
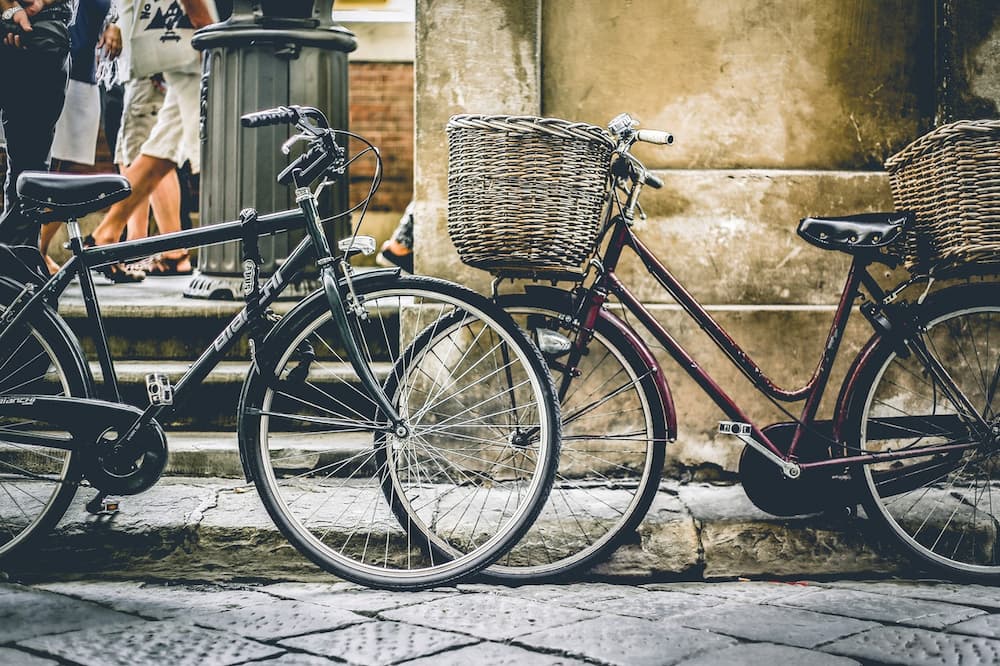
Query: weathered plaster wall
x: 781, y: 109
x: 747, y: 83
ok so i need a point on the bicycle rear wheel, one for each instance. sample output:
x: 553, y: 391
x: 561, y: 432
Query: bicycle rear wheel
x: 412, y: 511
x: 943, y: 508
x: 611, y: 458
x: 36, y: 483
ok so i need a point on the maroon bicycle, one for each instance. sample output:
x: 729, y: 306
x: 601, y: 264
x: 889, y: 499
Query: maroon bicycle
x: 914, y: 435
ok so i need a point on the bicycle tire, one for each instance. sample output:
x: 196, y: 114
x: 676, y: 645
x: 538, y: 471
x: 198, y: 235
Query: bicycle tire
x: 600, y: 494
x: 329, y: 495
x: 37, y: 484
x: 924, y: 503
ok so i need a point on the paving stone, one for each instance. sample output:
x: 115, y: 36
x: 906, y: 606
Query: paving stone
x: 495, y: 654
x: 625, y: 640
x: 490, y: 616
x: 787, y: 626
x: 568, y: 594
x: 917, y: 647
x: 750, y: 591
x: 17, y: 658
x: 164, y: 642
x: 766, y: 654
x: 654, y: 605
x: 161, y: 601
x: 979, y: 596
x: 883, y: 608
x: 378, y: 643
x: 984, y: 625
x: 297, y: 659
x: 353, y: 597
x: 25, y: 613
x: 279, y: 618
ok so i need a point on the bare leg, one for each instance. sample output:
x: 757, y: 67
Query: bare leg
x: 45, y: 237
x: 145, y: 173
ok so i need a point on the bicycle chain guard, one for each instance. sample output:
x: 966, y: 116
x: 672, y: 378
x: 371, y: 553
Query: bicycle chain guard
x: 769, y: 490
x: 93, y: 428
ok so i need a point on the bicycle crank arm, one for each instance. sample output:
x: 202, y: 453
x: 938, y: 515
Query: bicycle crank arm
x: 742, y: 432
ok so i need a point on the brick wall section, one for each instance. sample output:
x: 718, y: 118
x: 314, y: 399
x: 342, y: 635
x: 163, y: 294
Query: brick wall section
x: 381, y: 111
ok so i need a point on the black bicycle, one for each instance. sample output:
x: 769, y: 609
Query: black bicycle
x: 401, y: 431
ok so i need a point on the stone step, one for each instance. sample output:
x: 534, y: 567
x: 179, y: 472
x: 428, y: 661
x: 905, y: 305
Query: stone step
x: 217, y: 529
x: 152, y: 320
x: 212, y: 405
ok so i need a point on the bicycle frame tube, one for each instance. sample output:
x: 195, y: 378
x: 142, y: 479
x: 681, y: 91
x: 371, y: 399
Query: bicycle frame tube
x: 811, y: 392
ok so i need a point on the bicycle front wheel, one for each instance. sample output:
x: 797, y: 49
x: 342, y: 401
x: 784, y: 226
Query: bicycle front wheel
x: 611, y: 458
x: 402, y: 511
x: 37, y: 483
x: 943, y: 507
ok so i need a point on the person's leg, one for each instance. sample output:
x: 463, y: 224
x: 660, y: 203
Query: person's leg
x: 31, y: 106
x: 145, y: 173
x: 45, y: 238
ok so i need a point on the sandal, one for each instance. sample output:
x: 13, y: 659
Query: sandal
x: 122, y: 273
x: 163, y: 265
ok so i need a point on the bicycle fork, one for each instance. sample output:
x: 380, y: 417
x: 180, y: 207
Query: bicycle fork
x: 339, y: 309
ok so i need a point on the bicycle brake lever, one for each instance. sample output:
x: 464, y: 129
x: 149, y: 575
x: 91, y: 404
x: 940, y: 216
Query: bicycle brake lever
x: 286, y: 147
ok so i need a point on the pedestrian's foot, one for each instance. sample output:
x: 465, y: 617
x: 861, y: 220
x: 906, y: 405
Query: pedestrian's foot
x: 122, y: 273
x: 395, y: 254
x: 51, y: 264
x: 166, y: 265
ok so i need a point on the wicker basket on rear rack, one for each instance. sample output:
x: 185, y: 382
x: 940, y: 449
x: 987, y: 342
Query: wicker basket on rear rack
x: 526, y: 195
x: 950, y: 178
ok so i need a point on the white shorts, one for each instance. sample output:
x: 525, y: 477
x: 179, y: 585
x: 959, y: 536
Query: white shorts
x: 141, y: 104
x: 174, y: 137
x: 75, y: 139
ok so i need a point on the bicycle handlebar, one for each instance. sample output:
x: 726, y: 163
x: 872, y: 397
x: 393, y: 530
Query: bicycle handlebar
x: 655, y: 136
x: 279, y: 116
x: 286, y: 115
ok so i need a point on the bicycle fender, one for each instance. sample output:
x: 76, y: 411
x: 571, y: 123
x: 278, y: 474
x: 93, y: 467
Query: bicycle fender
x: 645, y: 353
x: 659, y: 379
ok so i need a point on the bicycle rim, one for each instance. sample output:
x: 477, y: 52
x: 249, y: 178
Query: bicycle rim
x: 942, y: 507
x: 611, y: 455
x: 440, y: 502
x: 35, y: 482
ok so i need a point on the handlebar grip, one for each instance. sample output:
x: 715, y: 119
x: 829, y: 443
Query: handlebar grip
x: 655, y: 136
x: 278, y: 116
x: 653, y: 181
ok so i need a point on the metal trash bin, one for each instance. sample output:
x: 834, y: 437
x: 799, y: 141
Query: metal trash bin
x: 265, y: 55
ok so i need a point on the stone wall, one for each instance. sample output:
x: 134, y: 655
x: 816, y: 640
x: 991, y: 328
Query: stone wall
x: 780, y: 109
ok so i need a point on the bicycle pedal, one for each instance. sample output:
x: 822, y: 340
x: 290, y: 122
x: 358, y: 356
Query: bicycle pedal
x: 103, y: 505
x: 357, y: 245
x: 159, y: 390
x: 734, y: 428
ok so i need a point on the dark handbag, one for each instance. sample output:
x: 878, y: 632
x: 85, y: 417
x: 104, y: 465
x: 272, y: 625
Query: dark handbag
x: 49, y: 33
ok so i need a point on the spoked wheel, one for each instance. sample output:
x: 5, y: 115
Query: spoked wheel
x: 444, y: 497
x: 612, y: 451
x: 36, y: 483
x: 943, y: 507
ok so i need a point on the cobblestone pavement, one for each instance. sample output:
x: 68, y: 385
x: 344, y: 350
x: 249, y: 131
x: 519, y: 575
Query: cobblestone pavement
x: 844, y: 622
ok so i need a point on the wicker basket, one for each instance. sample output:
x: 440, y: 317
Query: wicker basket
x: 950, y: 178
x: 526, y: 195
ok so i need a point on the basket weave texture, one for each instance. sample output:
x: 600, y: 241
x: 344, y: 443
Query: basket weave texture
x: 950, y: 178
x: 525, y: 194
